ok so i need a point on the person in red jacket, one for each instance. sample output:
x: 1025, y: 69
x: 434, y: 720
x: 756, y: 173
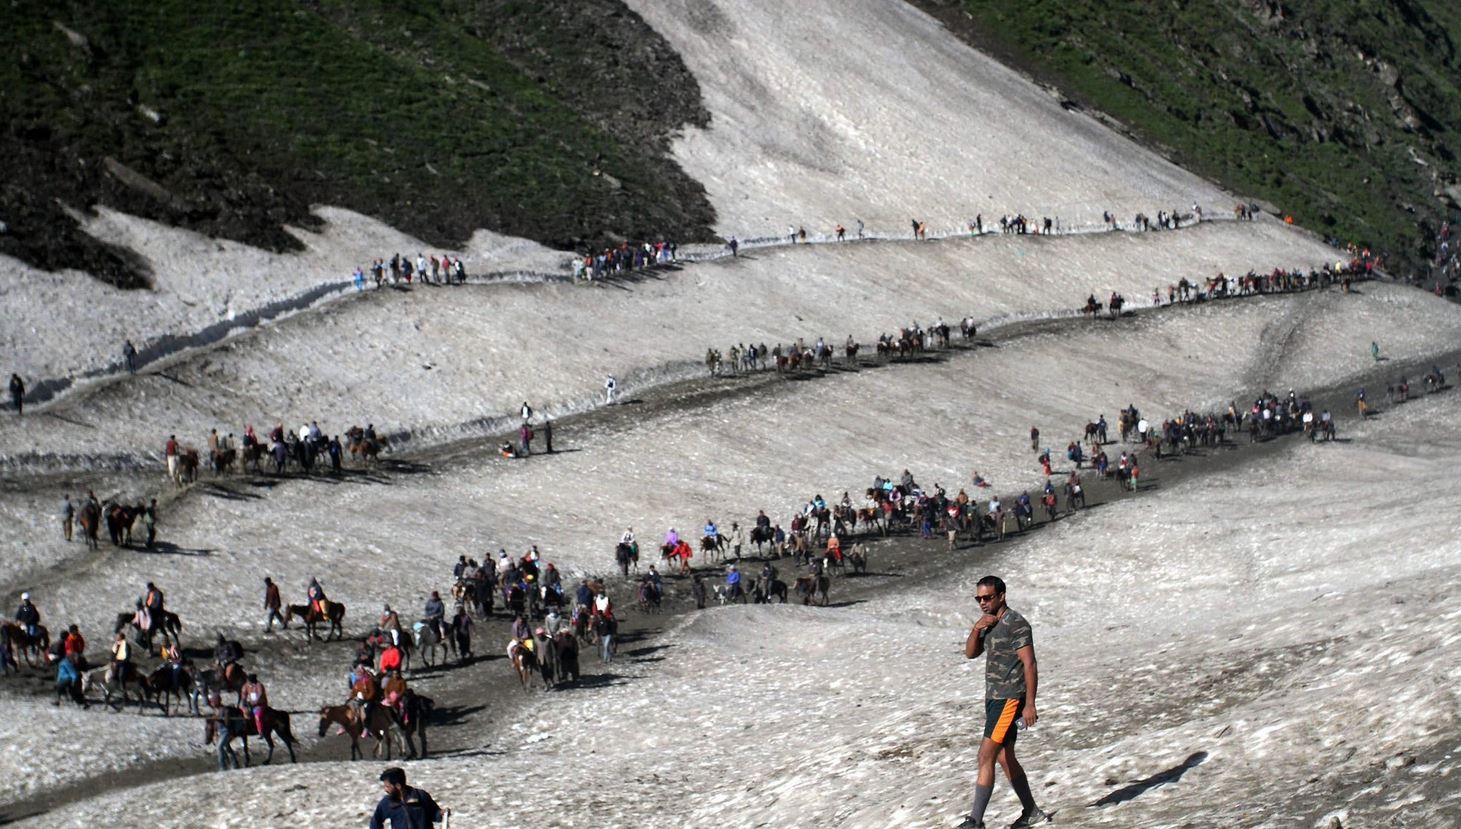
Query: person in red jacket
x: 390, y: 659
x: 75, y: 646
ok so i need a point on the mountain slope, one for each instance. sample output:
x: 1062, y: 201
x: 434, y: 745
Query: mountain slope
x: 1341, y: 113
x: 437, y: 118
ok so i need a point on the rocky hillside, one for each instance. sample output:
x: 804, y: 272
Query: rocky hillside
x: 547, y: 119
x: 1344, y: 113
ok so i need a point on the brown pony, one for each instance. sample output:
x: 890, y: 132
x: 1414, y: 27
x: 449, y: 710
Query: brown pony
x: 223, y: 459
x: 91, y: 524
x: 119, y: 523
x: 276, y: 722
x: 367, y: 450
x: 166, y: 623
x: 252, y: 455
x: 813, y: 589
x: 380, y: 724
x: 187, y: 466
x: 334, y: 614
x: 14, y: 638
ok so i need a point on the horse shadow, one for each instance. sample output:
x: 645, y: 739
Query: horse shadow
x: 264, y: 483
x: 637, y: 636
x: 1162, y: 778
x: 849, y: 603
x: 170, y: 549
x: 220, y: 491
x: 468, y: 752
x: 645, y: 651
x: 453, y: 714
x: 604, y: 680
x: 404, y: 467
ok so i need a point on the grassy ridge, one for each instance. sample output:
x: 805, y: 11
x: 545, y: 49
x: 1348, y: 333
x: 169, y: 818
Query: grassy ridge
x: 437, y: 117
x: 1343, y: 113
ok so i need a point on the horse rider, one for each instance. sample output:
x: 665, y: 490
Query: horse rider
x: 152, y: 600
x: 672, y: 539
x: 390, y: 659
x: 711, y: 531
x: 393, y: 692
x: 172, y: 657
x: 435, y: 615
x: 254, y: 701
x: 225, y: 652
x: 28, y: 615
x: 768, y: 575
x: 834, y: 548
x: 119, y: 668
x: 520, y: 628
x: 390, y: 622
x: 316, y: 594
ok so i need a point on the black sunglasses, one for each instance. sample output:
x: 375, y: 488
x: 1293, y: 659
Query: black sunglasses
x: 983, y: 599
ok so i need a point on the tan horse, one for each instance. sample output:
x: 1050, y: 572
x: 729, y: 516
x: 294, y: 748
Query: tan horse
x: 380, y: 724
x: 524, y: 661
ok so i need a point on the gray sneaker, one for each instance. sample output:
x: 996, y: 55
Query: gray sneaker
x: 1034, y: 817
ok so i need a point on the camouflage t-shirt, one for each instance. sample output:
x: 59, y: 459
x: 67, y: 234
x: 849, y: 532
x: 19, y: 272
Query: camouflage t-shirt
x: 1004, y: 673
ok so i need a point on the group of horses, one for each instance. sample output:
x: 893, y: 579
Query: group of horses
x: 283, y: 451
x: 551, y: 660
x: 798, y: 356
x: 119, y: 519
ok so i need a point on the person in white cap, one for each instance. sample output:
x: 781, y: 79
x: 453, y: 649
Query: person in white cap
x: 27, y: 615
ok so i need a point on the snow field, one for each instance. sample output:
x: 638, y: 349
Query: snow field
x: 1300, y: 696
x: 842, y: 109
x: 434, y: 361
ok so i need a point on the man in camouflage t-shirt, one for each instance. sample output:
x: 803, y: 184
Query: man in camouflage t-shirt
x: 1010, y: 678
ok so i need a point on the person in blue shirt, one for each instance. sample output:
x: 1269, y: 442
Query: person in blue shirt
x: 68, y: 682
x: 733, y: 583
x: 403, y: 807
